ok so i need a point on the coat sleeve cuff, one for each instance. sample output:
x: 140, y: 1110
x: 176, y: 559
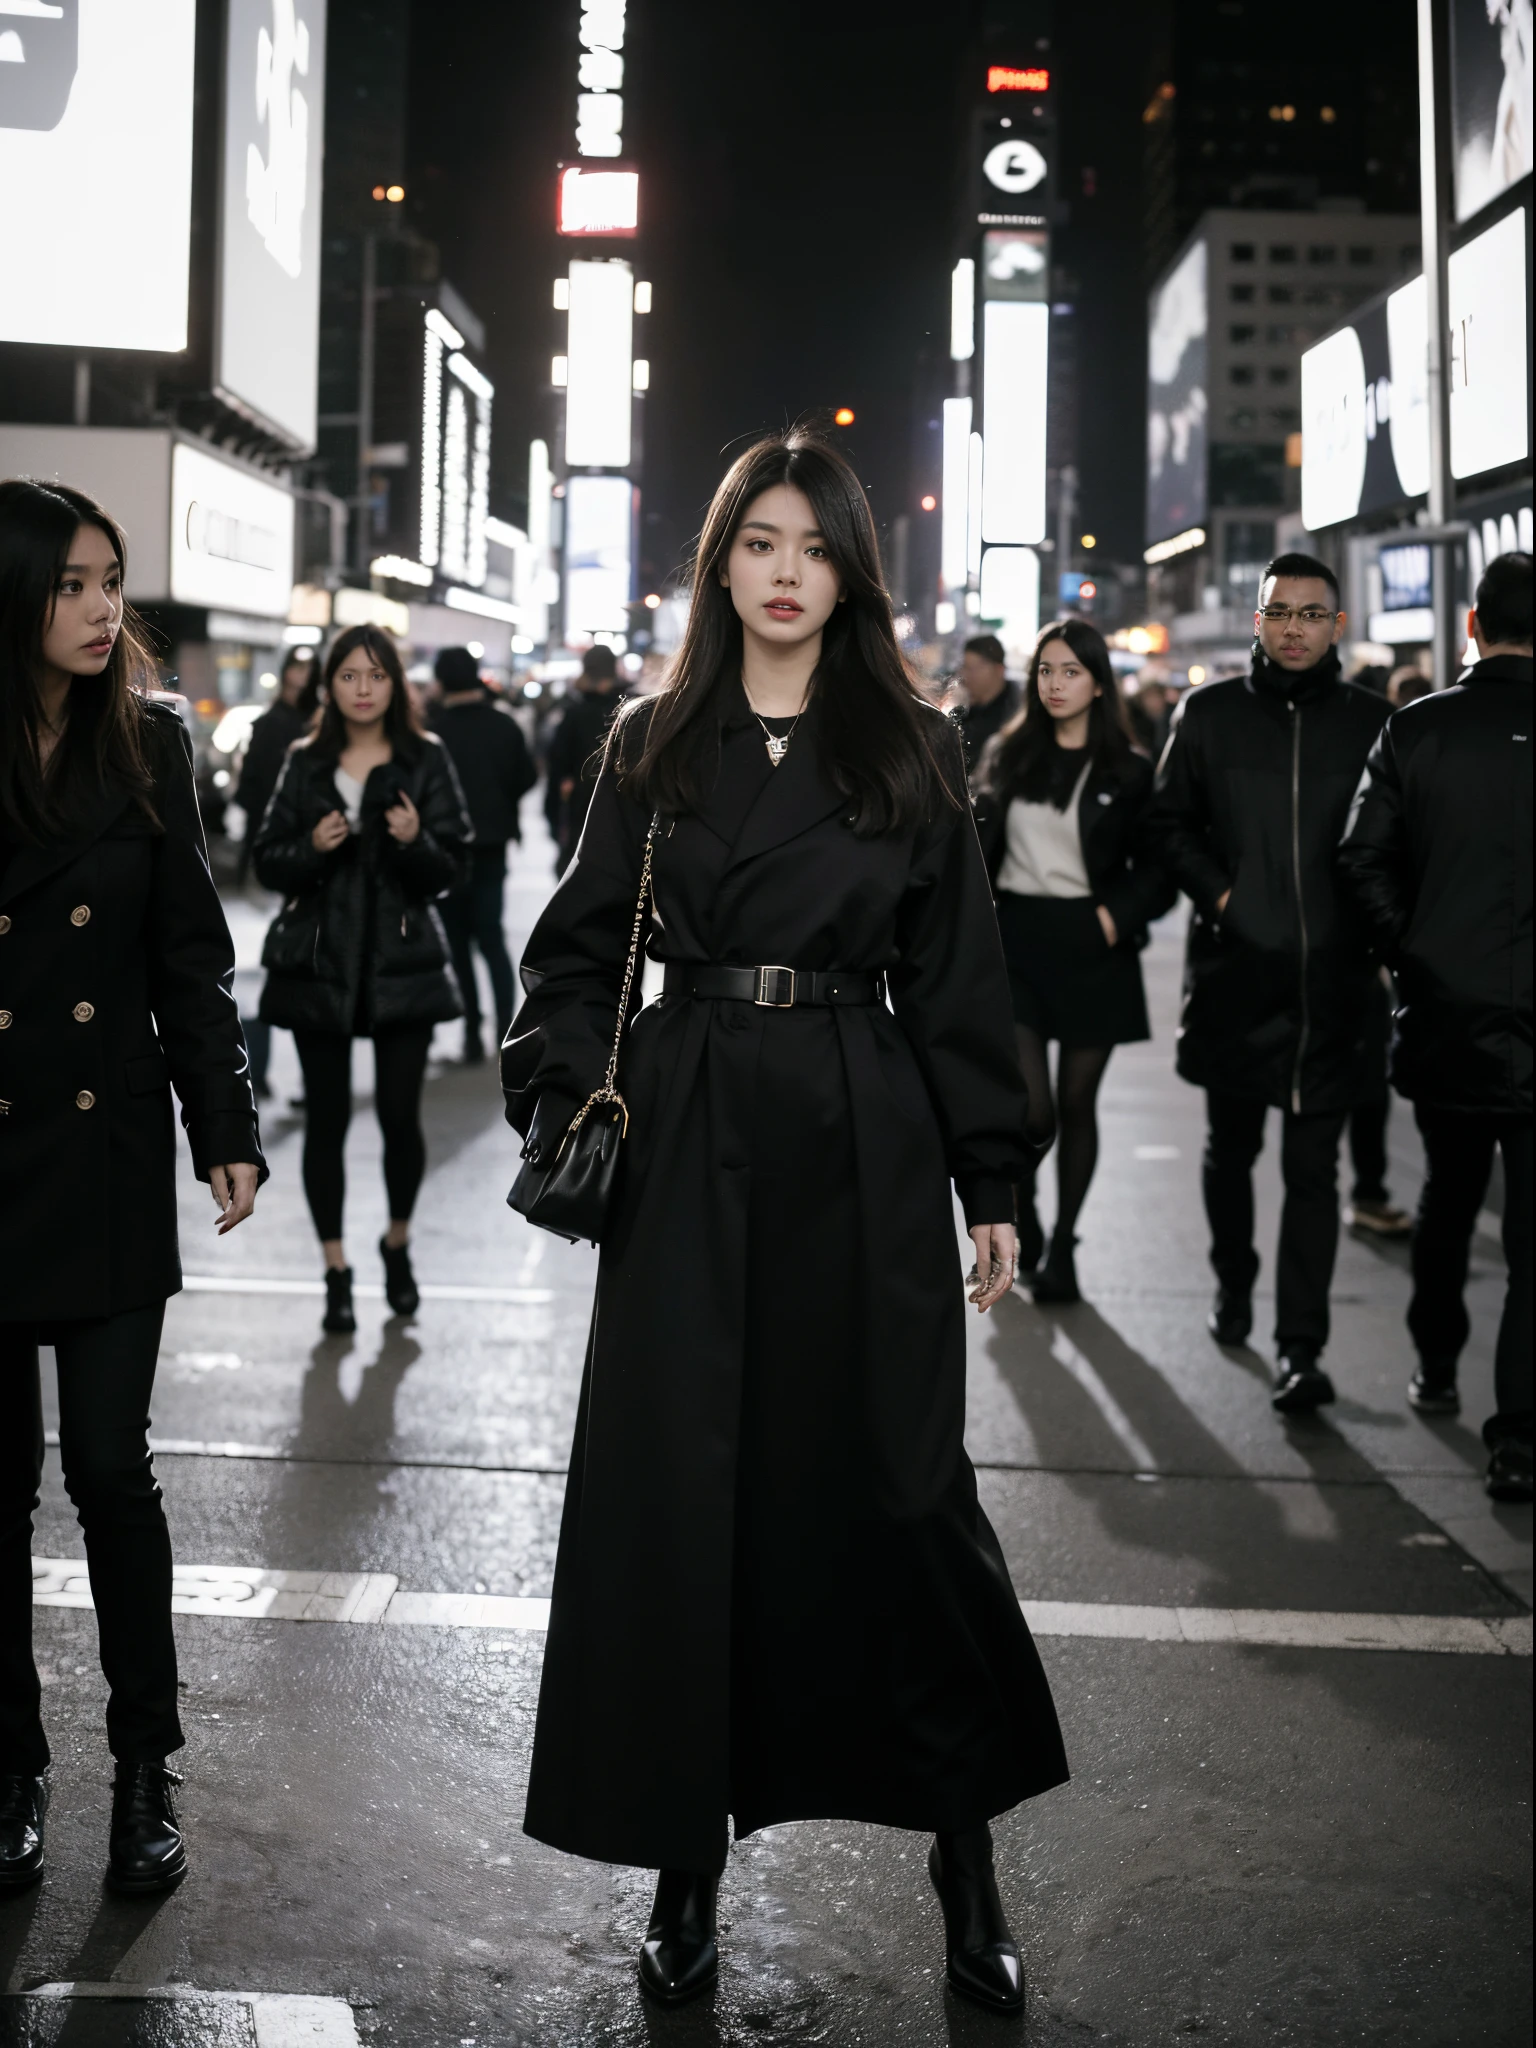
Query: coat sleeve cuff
x: 985, y: 1201
x: 225, y: 1139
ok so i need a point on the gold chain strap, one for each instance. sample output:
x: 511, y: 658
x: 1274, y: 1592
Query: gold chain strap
x: 609, y: 1091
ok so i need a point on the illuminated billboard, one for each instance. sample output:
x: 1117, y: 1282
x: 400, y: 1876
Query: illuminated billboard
x: 455, y: 454
x: 1015, y: 341
x: 1491, y: 60
x: 266, y: 350
x: 598, y: 202
x: 231, y: 536
x: 1486, y: 291
x: 598, y: 518
x: 95, y: 140
x: 599, y: 365
x: 1176, y: 398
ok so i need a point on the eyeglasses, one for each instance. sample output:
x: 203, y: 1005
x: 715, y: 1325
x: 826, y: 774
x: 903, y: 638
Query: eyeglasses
x: 1282, y: 615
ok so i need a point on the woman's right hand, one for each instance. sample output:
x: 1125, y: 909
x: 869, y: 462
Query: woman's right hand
x: 330, y: 832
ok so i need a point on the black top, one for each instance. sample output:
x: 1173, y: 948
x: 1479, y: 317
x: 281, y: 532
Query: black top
x: 271, y: 736
x: 978, y: 722
x: 495, y: 768
x: 1438, y: 857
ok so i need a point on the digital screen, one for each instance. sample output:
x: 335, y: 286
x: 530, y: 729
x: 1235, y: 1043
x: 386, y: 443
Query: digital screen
x: 1010, y: 597
x: 1176, y: 399
x: 268, y: 330
x: 599, y: 366
x: 1489, y: 366
x: 598, y: 514
x: 96, y: 133
x: 953, y: 554
x: 1490, y: 99
x: 1406, y: 577
x: 455, y: 454
x: 231, y: 536
x: 1015, y: 353
x: 598, y: 202
x: 1018, y: 78
x: 1333, y: 443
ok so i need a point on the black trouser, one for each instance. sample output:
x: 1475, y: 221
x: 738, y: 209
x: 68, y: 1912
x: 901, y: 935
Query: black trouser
x: 474, y: 912
x: 1368, y: 1148
x: 106, y: 1369
x: 1309, y: 1219
x: 399, y: 1068
x: 1458, y: 1153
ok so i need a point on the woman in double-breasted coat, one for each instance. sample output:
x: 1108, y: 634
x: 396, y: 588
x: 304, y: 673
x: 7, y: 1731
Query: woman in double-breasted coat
x: 777, y: 1596
x: 116, y: 973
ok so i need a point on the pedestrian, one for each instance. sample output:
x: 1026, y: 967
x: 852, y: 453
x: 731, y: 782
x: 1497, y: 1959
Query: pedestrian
x: 575, y: 748
x: 776, y: 1595
x: 1061, y: 805
x: 1407, y: 684
x: 1438, y: 856
x: 365, y: 830
x: 116, y: 976
x: 1252, y: 795
x: 1147, y: 712
x: 495, y: 771
x: 286, y: 719
x: 990, y: 699
x: 1370, y: 1210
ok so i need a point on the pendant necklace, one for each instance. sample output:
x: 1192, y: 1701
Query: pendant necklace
x: 776, y: 744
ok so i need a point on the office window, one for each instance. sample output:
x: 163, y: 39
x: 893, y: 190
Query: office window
x: 1241, y: 294
x: 1279, y: 337
x: 1239, y: 334
x: 1361, y: 256
x: 1320, y: 253
x: 1281, y: 294
x: 1279, y: 373
x: 1241, y: 373
x: 1282, y: 252
x: 1242, y: 416
x: 1242, y: 252
x: 1288, y: 416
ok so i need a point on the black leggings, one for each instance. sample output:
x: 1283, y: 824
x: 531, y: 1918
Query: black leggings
x: 1074, y: 1118
x: 399, y: 1068
x: 106, y: 1370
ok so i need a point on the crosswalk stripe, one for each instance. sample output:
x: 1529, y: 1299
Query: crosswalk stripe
x: 365, y: 1290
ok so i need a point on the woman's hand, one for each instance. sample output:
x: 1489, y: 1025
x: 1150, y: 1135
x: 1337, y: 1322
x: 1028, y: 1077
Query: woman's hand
x: 330, y: 832
x: 234, y: 1189
x: 403, y: 820
x: 997, y: 1258
x: 1107, y: 926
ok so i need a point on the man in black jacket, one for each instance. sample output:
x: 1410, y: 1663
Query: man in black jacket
x: 1252, y: 795
x: 990, y: 699
x: 575, y: 750
x: 495, y: 771
x: 1438, y: 856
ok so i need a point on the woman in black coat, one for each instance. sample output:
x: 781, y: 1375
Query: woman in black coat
x: 776, y: 1595
x: 116, y: 976
x: 1061, y: 795
x: 365, y: 829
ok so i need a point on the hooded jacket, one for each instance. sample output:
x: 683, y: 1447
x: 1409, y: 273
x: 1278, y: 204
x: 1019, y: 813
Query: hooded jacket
x: 1252, y: 795
x: 1438, y: 858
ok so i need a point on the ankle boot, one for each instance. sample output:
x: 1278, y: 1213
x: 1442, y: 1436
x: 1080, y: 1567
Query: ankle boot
x: 147, y: 1853
x: 981, y: 1955
x: 680, y: 1956
x: 400, y: 1289
x: 1056, y: 1280
x: 23, y: 1804
x: 338, y: 1320
x: 1031, y: 1236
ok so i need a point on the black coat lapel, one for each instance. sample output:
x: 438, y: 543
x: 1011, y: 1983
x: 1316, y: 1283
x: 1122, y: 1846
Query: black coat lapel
x: 797, y: 795
x: 30, y: 865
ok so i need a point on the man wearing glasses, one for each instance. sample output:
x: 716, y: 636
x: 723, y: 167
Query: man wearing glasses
x: 1253, y: 793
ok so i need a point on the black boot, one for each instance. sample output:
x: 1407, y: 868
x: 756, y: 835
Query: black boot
x: 474, y: 1045
x: 981, y: 1955
x: 1432, y: 1390
x: 1231, y: 1316
x: 1300, y: 1382
x: 400, y: 1289
x: 680, y: 1956
x: 338, y: 1320
x: 1031, y: 1235
x: 1056, y: 1280
x: 23, y: 1804
x: 147, y: 1853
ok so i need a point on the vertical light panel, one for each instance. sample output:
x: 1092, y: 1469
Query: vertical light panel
x: 973, y: 484
x: 956, y: 492
x: 429, y: 544
x: 1010, y: 597
x: 962, y: 310
x: 478, y: 468
x: 597, y: 534
x: 599, y: 351
x: 1014, y: 349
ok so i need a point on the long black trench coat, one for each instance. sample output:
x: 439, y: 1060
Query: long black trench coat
x: 116, y: 978
x: 776, y: 1595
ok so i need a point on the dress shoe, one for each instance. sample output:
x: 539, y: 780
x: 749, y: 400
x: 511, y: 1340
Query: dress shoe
x: 981, y: 1956
x: 146, y: 1852
x: 1508, y: 1477
x: 1300, y: 1383
x: 23, y: 1804
x: 339, y: 1319
x: 680, y: 1956
x: 1231, y: 1316
x: 1432, y: 1390
x: 1378, y: 1219
x: 1056, y: 1278
x: 400, y: 1289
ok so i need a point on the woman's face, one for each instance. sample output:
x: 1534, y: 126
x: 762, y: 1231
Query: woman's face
x: 361, y: 688
x: 87, y: 609
x: 778, y: 570
x: 1067, y: 689
x: 295, y: 676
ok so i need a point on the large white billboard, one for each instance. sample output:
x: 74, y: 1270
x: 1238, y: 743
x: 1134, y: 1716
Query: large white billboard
x: 231, y: 536
x: 1176, y: 398
x: 1015, y: 339
x: 1489, y: 366
x: 598, y: 512
x: 267, y: 335
x: 96, y: 172
x: 1491, y: 117
x: 600, y: 375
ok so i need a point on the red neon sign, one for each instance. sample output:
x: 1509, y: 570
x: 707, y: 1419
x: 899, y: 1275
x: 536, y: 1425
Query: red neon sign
x: 1013, y: 78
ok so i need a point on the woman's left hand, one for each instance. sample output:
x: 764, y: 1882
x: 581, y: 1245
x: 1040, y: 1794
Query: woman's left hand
x: 234, y: 1189
x: 403, y: 820
x: 1107, y: 926
x: 997, y: 1257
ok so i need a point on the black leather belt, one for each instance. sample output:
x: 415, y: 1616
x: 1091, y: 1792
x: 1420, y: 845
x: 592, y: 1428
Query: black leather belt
x: 771, y: 988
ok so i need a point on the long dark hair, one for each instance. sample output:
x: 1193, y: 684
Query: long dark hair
x: 104, y: 733
x: 883, y: 746
x: 402, y: 726
x: 1018, y: 762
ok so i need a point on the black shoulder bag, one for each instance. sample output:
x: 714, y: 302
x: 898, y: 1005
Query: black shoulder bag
x: 572, y: 1192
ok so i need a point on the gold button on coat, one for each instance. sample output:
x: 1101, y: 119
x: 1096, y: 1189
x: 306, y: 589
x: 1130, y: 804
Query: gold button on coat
x: 5, y: 925
x: 5, y: 1020
x: 85, y: 1099
x: 81, y: 914
x: 84, y: 1012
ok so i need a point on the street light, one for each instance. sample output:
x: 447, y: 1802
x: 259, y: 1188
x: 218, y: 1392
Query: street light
x: 843, y: 417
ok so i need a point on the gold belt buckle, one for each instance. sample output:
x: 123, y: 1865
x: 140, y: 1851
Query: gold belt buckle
x: 783, y: 996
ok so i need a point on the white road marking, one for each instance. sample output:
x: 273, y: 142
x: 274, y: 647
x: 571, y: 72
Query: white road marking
x: 1156, y: 1152
x: 280, y: 2019
x: 365, y: 1290
x: 247, y: 1593
x: 1066, y: 1353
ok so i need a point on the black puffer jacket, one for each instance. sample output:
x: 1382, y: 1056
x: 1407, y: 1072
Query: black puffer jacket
x: 358, y: 946
x: 1125, y: 875
x: 1252, y: 795
x: 1438, y: 857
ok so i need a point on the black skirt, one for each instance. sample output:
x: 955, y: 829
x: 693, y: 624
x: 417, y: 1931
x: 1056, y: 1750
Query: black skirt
x: 1067, y: 983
